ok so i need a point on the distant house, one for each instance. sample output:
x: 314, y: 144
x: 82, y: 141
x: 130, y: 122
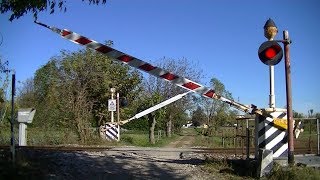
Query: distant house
x: 188, y: 125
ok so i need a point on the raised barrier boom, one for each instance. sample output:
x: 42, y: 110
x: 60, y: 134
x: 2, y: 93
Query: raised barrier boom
x: 148, y: 68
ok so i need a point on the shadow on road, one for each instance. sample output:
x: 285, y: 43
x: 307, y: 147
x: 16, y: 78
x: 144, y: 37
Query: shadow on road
x: 35, y: 164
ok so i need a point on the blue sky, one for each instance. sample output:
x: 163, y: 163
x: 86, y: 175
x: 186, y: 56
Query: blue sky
x: 223, y: 37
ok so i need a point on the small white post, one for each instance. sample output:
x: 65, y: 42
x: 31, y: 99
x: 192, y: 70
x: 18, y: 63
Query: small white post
x: 272, y: 99
x: 118, y: 108
x: 113, y: 90
x: 22, y: 134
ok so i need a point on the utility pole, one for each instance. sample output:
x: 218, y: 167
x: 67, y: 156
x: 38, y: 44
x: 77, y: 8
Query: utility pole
x: 286, y: 41
x: 13, y: 151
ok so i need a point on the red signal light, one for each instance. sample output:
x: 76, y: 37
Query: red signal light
x: 270, y: 53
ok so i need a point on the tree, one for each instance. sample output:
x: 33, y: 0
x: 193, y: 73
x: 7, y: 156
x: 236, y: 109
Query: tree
x: 48, y: 101
x: 4, y: 81
x: 198, y: 116
x: 148, y: 100
x: 19, y: 8
x: 72, y: 90
x: 176, y: 110
x: 217, y: 112
x: 26, y: 97
x: 297, y: 114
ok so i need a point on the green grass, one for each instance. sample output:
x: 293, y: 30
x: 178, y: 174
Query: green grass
x: 236, y: 169
x: 223, y: 169
x: 41, y: 136
x: 190, y: 131
x: 135, y: 139
x: 293, y: 173
x: 140, y: 138
x: 208, y: 141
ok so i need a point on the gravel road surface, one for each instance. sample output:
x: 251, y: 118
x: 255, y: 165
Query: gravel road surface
x: 175, y: 161
x: 119, y: 163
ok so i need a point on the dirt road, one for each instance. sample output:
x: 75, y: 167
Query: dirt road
x: 186, y: 140
x: 116, y: 163
x: 173, y: 162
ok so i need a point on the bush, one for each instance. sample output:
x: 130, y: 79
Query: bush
x: 5, y: 135
x: 37, y: 136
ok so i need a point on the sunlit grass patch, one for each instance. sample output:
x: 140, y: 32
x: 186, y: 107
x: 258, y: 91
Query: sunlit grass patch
x: 293, y: 173
x: 141, y: 139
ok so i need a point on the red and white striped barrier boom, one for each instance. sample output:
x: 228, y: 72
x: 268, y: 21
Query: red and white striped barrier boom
x: 146, y: 67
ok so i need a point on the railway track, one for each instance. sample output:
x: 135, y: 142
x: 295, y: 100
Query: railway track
x: 85, y: 162
x: 237, y: 151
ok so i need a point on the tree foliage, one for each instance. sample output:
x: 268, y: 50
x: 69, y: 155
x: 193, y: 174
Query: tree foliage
x: 198, y: 117
x: 297, y: 114
x: 72, y: 90
x: 149, y: 122
x: 19, y: 8
x: 26, y: 96
x: 4, y: 86
x: 175, y: 113
x: 217, y: 112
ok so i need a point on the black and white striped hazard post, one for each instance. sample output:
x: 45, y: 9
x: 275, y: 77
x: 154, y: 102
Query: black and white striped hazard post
x: 112, y: 132
x: 272, y: 133
x: 271, y: 138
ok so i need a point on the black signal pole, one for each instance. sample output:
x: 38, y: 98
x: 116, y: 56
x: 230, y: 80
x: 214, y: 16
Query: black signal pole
x: 12, y: 117
x: 289, y: 96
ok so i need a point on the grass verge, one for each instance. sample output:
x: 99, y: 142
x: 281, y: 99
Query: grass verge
x: 293, y: 173
x: 141, y: 139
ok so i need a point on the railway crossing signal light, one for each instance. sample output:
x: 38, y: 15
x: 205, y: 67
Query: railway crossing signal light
x: 123, y: 102
x: 270, y: 53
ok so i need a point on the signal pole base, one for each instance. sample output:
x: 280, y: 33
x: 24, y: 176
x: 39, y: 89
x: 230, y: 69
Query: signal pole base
x: 291, y: 158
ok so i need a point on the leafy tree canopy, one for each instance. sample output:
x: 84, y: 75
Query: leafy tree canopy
x: 198, y: 116
x: 76, y: 83
x: 19, y: 8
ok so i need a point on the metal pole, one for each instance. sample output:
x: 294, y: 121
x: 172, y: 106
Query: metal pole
x: 272, y: 99
x: 118, y: 109
x: 289, y: 96
x: 310, y: 149
x: 112, y: 112
x: 318, y: 136
x: 248, y: 139
x: 13, y: 151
